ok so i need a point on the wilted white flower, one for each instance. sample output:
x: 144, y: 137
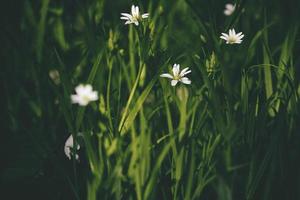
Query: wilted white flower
x: 55, y: 77
x: 69, y: 145
x: 232, y: 37
x: 177, y: 75
x: 134, y: 17
x: 229, y: 9
x: 84, y: 94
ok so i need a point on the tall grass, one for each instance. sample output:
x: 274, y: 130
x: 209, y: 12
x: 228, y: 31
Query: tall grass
x: 232, y: 134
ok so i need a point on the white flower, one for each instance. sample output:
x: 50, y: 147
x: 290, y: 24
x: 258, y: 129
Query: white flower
x: 84, y: 94
x: 177, y: 75
x: 69, y: 145
x: 134, y: 17
x: 232, y: 37
x: 229, y: 9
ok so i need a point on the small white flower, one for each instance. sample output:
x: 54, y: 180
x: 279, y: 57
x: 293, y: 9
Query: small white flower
x: 229, y: 9
x: 178, y: 75
x: 69, y: 145
x: 232, y: 37
x: 134, y: 17
x: 84, y: 94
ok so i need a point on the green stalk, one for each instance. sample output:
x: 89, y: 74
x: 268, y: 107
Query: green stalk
x: 130, y: 98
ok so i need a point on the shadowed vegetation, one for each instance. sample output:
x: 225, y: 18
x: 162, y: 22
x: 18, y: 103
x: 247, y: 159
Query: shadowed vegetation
x: 233, y: 133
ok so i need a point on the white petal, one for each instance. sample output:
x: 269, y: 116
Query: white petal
x: 239, y: 34
x: 83, y: 89
x: 225, y: 34
x: 229, y: 6
x: 125, y: 18
x: 68, y: 144
x: 126, y: 15
x: 146, y: 15
x: 176, y: 69
x: 185, y: 71
x: 93, y: 96
x: 166, y: 75
x: 89, y: 88
x: 233, y: 31
x: 74, y: 98
x: 227, y: 12
x: 79, y: 89
x: 83, y: 101
x: 137, y: 11
x: 174, y: 82
x: 224, y: 38
x: 133, y: 10
x: 136, y: 23
x: 68, y: 152
x: 128, y: 22
x: 185, y: 80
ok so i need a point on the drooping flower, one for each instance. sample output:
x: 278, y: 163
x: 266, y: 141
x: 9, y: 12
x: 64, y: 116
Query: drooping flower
x: 134, y: 17
x: 232, y: 37
x: 55, y: 77
x: 84, y: 95
x: 229, y: 9
x: 69, y: 145
x: 178, y: 75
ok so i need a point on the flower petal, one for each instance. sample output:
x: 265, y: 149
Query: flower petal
x: 68, y: 144
x: 185, y: 80
x: 229, y: 6
x: 125, y: 18
x: 174, y: 82
x: 166, y: 75
x: 146, y: 15
x: 137, y: 11
x: 93, y: 96
x: 224, y: 38
x: 225, y: 34
x: 126, y: 15
x: 74, y: 98
x: 176, y: 69
x: 233, y: 31
x: 185, y: 71
x: 227, y: 12
x: 133, y: 10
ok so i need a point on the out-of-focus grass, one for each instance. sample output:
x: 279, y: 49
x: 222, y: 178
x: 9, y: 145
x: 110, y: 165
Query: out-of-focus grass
x: 232, y: 134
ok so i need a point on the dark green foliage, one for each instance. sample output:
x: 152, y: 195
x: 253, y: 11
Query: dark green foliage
x: 234, y: 133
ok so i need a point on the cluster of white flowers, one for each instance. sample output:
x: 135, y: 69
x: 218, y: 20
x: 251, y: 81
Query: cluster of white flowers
x: 232, y: 37
x: 85, y: 94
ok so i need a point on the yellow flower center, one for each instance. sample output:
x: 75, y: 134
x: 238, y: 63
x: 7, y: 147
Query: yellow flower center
x: 231, y: 39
